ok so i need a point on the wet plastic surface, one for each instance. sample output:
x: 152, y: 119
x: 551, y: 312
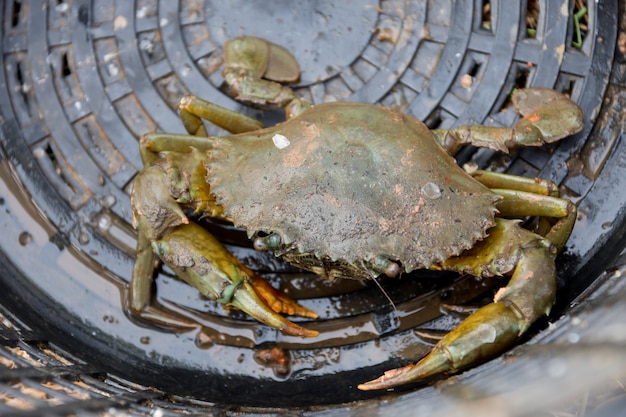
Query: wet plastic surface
x: 82, y: 80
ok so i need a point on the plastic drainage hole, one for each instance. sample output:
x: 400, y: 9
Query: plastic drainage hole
x: 434, y: 120
x: 24, y: 88
x: 485, y: 16
x: 66, y: 70
x: 49, y: 153
x: 566, y: 86
x: 521, y: 77
x: 520, y: 80
x: 580, y: 22
x: 473, y: 71
x: 15, y: 14
x: 53, y: 169
x: 533, y: 12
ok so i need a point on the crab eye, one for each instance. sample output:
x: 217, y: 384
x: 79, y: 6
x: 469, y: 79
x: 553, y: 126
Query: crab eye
x: 269, y: 242
x: 387, y: 266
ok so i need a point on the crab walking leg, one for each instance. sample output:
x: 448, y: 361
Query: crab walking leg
x: 143, y: 268
x: 151, y: 220
x: 149, y: 178
x: 173, y: 142
x: 523, y: 196
x: 193, y: 110
x: 140, y: 289
x: 492, y: 179
x: 520, y: 203
x: 548, y: 116
x: 495, y: 327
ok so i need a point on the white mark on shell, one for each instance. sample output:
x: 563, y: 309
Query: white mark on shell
x: 280, y: 141
x: 431, y: 191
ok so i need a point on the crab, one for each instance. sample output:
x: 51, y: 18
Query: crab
x: 351, y: 190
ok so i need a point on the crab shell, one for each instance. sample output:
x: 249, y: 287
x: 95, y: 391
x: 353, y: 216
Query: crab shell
x: 349, y: 182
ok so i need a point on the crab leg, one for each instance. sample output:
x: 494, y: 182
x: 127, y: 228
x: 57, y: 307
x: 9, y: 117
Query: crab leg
x: 144, y: 267
x: 193, y: 110
x: 522, y: 196
x: 548, y: 116
x: 254, y: 69
x: 514, y: 182
x: 154, y: 211
x: 518, y: 192
x: 520, y: 203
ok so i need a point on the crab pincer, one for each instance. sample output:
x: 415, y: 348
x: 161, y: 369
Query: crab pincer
x: 200, y: 260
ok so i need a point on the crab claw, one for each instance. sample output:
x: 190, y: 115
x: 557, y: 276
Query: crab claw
x: 255, y: 68
x: 497, y: 326
x: 247, y: 300
x: 199, y: 259
x: 492, y: 328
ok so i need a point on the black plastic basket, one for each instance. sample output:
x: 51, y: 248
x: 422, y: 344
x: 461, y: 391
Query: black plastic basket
x: 82, y: 80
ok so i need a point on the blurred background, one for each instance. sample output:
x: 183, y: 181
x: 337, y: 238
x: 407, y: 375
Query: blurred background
x: 82, y: 80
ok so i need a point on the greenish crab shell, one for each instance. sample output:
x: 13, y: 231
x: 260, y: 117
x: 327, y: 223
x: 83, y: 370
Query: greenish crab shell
x: 348, y: 186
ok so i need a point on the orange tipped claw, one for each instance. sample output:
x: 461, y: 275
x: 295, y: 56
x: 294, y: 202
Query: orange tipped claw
x: 434, y: 363
x: 247, y: 300
x: 278, y: 301
x: 481, y: 336
x: 199, y: 258
x: 389, y: 379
